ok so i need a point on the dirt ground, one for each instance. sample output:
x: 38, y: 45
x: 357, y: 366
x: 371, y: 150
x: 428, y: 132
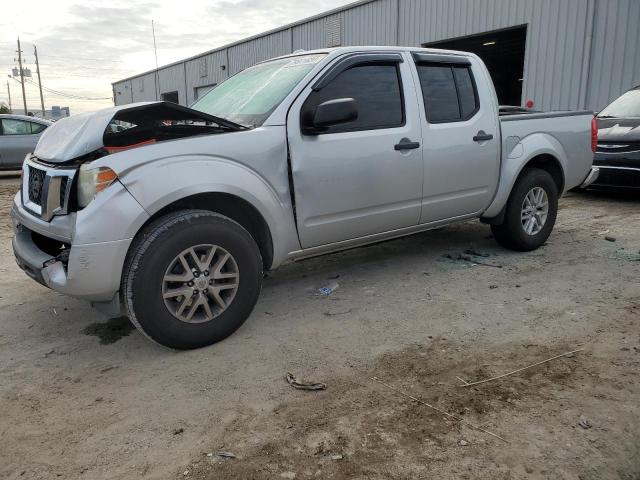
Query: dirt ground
x: 86, y: 398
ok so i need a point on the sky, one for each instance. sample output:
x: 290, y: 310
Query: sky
x: 84, y: 46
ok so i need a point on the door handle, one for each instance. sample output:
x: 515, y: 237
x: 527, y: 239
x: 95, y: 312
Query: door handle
x: 482, y: 136
x: 406, y: 144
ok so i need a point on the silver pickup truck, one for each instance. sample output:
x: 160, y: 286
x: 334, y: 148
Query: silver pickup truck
x: 172, y: 214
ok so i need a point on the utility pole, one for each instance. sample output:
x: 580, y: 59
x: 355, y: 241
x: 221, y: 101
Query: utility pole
x: 24, y: 95
x: 35, y: 52
x: 9, y: 92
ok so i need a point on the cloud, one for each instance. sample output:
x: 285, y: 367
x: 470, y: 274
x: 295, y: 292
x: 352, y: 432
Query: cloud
x: 84, y: 46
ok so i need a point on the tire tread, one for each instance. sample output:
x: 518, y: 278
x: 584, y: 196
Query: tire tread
x: 145, y: 239
x: 509, y: 234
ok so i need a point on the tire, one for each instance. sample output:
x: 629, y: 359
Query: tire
x: 512, y: 232
x: 157, y: 254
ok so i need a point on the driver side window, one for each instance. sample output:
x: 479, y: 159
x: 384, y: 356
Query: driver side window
x: 376, y: 88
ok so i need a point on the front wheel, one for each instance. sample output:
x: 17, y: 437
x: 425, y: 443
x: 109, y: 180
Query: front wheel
x: 191, y: 279
x: 530, y: 212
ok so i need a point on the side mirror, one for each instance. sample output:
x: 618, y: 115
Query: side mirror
x: 329, y: 113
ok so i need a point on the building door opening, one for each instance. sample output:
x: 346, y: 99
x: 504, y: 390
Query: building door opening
x: 170, y: 97
x: 202, y: 91
x: 503, y: 53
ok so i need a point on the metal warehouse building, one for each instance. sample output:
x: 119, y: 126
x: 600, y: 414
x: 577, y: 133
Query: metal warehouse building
x: 560, y: 54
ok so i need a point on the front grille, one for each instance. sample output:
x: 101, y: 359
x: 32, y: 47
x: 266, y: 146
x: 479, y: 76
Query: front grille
x: 63, y: 189
x: 618, y: 177
x: 36, y: 182
x: 617, y: 147
x: 46, y: 190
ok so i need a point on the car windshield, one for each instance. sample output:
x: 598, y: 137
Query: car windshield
x: 625, y: 106
x: 249, y: 97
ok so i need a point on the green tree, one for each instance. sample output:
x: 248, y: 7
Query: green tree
x: 4, y: 108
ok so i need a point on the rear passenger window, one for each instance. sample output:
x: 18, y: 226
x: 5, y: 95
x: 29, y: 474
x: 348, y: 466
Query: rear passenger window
x: 466, y: 92
x: 449, y: 93
x: 376, y: 90
x: 439, y: 92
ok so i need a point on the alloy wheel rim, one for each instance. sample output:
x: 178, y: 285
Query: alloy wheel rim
x: 535, y: 210
x: 200, y: 283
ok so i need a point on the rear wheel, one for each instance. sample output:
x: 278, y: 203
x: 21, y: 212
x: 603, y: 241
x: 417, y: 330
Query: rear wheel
x: 191, y: 279
x: 530, y: 212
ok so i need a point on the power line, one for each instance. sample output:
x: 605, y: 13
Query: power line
x: 52, y: 91
x: 60, y: 65
x: 92, y: 59
x: 88, y: 59
x: 75, y: 75
x: 63, y: 94
x: 69, y: 95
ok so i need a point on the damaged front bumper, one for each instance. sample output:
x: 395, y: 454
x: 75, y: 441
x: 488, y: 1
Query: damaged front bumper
x: 67, y: 254
x: 89, y: 272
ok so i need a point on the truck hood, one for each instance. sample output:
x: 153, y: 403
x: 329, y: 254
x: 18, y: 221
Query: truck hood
x: 79, y: 135
x: 619, y: 130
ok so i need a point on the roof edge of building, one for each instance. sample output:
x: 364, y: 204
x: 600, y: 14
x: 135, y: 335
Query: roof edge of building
x: 302, y: 21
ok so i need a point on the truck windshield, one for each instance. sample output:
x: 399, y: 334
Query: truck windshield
x: 625, y: 106
x: 249, y: 97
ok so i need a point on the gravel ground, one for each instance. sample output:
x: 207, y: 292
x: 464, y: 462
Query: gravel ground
x: 86, y: 398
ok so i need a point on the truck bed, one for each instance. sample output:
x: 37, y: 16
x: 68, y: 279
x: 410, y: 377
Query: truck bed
x: 565, y: 136
x: 568, y: 132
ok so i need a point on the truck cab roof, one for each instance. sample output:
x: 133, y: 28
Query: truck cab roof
x: 335, y: 51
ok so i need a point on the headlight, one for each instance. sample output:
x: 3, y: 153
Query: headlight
x: 92, y: 181
x: 24, y: 166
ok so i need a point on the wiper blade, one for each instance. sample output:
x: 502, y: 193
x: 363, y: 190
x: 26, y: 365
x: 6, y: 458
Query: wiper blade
x: 606, y: 116
x: 223, y: 122
x: 229, y: 124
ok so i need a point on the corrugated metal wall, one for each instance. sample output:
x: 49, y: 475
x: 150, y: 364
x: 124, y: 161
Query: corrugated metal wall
x: 373, y: 23
x: 144, y: 88
x: 615, y: 51
x: 206, y: 70
x: 311, y: 35
x: 556, y: 38
x: 249, y: 53
x: 172, y: 79
x: 122, y: 92
x: 579, y: 53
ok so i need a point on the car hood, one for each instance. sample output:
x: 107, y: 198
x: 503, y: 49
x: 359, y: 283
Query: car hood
x: 79, y: 135
x: 618, y: 130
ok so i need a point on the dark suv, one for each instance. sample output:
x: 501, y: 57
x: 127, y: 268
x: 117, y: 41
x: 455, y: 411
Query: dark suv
x: 618, y: 151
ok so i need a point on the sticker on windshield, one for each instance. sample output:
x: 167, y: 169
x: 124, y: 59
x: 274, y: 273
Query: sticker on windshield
x: 303, y: 60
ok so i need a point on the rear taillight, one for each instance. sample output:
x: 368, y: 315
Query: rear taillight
x: 594, y: 134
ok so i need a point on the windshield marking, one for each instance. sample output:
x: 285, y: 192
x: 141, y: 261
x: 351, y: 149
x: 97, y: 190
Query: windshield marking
x: 251, y: 96
x: 264, y: 85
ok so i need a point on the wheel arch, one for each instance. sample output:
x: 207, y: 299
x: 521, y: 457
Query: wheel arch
x: 229, y: 205
x: 540, y: 150
x: 546, y: 161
